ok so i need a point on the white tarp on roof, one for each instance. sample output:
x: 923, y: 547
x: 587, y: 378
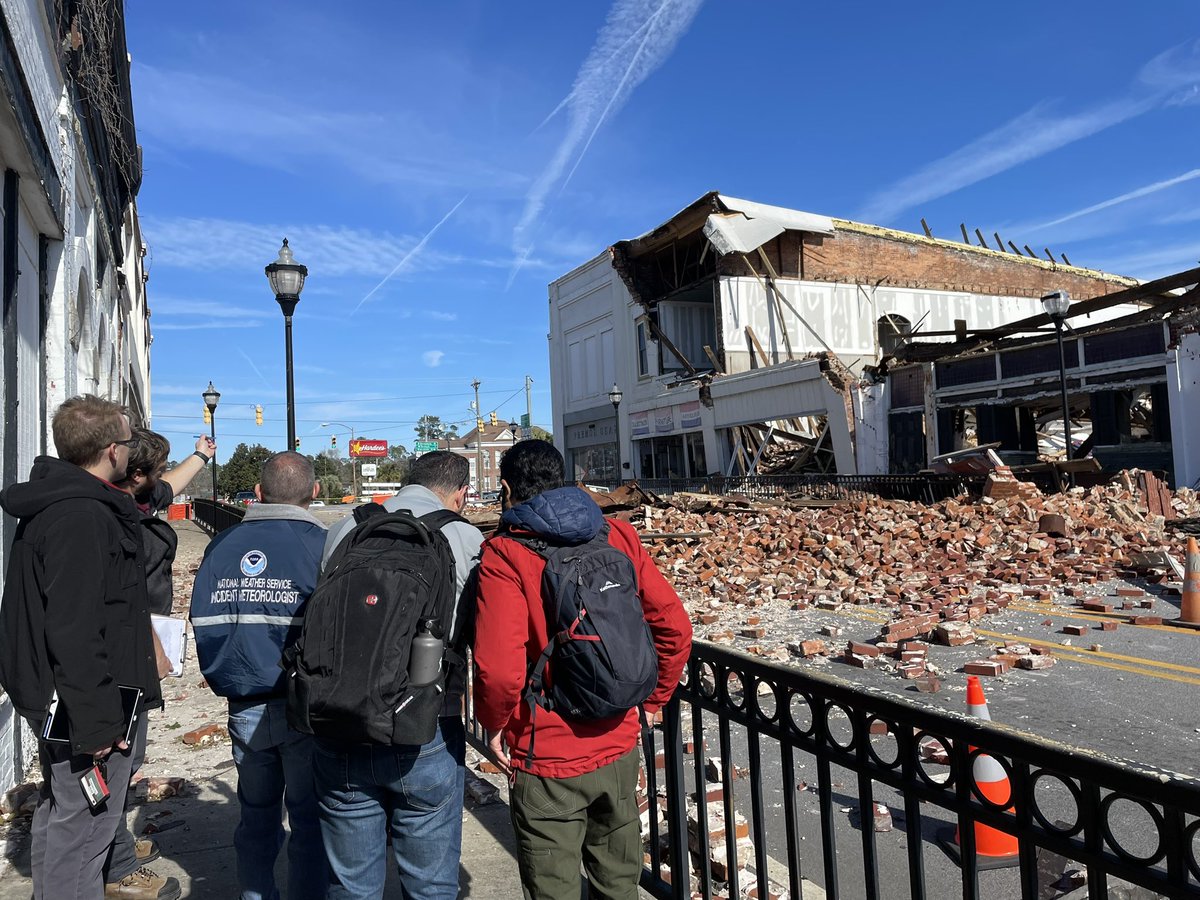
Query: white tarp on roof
x: 793, y: 219
x: 737, y: 234
x: 749, y: 225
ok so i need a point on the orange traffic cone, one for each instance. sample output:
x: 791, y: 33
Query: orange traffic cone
x: 994, y: 849
x: 1189, y: 609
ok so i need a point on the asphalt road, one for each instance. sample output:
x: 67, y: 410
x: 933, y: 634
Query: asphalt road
x: 1132, y: 697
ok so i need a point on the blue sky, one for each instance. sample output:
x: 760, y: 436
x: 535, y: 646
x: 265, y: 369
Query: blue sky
x: 436, y: 165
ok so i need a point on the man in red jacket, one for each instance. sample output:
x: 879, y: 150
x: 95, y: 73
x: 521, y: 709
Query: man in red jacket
x: 575, y: 800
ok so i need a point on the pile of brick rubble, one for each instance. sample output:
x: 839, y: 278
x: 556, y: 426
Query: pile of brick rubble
x: 934, y: 569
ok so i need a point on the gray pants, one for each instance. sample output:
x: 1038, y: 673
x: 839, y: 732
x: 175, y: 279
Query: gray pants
x: 122, y: 857
x: 69, y: 842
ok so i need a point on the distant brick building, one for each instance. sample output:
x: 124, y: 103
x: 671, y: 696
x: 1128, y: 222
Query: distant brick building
x: 483, y: 448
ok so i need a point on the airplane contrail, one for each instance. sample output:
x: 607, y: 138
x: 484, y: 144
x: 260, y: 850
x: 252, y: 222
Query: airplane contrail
x: 410, y: 254
x: 635, y: 40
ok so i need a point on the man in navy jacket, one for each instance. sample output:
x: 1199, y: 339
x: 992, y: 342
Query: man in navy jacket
x: 247, y: 607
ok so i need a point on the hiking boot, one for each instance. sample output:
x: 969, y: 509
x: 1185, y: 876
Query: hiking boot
x: 144, y: 884
x: 145, y: 850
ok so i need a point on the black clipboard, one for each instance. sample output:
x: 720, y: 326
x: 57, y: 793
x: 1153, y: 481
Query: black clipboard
x: 56, y: 729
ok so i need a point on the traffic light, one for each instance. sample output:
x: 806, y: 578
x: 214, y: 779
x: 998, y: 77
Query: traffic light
x: 297, y: 443
x: 479, y: 424
x: 207, y: 416
x: 333, y: 441
x: 493, y: 418
x: 258, y: 415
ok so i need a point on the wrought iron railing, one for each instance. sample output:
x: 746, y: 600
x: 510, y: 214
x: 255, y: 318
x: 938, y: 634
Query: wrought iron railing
x: 786, y: 757
x: 215, y: 517
x: 926, y: 488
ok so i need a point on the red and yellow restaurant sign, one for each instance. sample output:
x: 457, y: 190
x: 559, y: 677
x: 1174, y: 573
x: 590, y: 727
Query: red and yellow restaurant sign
x: 363, y: 447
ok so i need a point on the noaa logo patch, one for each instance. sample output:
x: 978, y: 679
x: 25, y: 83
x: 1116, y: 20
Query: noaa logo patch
x: 254, y: 563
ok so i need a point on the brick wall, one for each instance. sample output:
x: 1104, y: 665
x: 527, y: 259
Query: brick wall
x: 915, y: 262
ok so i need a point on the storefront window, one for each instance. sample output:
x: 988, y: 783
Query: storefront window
x: 597, y: 463
x: 674, y: 456
x: 697, y: 463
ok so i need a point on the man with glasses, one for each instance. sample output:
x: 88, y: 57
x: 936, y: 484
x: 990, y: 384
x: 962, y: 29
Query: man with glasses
x: 75, y: 622
x: 413, y: 792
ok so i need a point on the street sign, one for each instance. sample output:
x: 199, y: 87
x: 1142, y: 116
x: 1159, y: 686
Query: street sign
x: 364, y: 447
x: 424, y: 446
x: 524, y: 420
x: 369, y: 470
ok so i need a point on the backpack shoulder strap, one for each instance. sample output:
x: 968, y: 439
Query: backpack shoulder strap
x: 366, y: 511
x: 440, y: 518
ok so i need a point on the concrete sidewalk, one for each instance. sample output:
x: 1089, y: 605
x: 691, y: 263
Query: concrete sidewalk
x: 195, y: 833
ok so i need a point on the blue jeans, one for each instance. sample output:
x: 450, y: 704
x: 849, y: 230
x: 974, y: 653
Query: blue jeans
x: 274, y: 766
x: 414, y: 791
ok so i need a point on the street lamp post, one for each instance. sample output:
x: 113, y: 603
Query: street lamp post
x: 349, y: 450
x: 211, y: 397
x: 286, y: 277
x: 1056, y: 305
x: 614, y: 397
x: 512, y: 427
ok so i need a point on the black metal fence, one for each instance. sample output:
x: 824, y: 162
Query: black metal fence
x: 215, y: 517
x: 926, y: 488
x: 1068, y: 806
x: 800, y: 784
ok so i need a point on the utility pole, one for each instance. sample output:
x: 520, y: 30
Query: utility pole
x: 478, y: 441
x: 529, y: 404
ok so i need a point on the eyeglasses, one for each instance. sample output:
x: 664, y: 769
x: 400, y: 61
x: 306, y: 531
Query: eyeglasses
x: 130, y: 443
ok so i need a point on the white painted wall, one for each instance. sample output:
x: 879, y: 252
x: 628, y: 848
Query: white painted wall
x: 843, y: 317
x: 1183, y: 392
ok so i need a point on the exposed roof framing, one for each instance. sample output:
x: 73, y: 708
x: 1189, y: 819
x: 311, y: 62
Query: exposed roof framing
x: 1155, y: 293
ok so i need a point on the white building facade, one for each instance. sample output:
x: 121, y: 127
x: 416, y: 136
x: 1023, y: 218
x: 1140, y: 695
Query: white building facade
x: 710, y: 323
x: 72, y: 281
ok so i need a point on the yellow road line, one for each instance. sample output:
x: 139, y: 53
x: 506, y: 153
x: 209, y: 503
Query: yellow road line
x: 1104, y: 664
x: 1146, y: 667
x: 1104, y: 617
x: 1089, y: 654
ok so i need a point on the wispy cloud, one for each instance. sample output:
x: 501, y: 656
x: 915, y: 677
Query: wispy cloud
x: 223, y: 114
x: 636, y: 39
x: 200, y: 244
x: 198, y: 326
x: 443, y: 316
x: 1122, y: 198
x: 432, y: 358
x: 1168, y: 79
x: 1155, y: 262
x: 211, y: 309
x: 410, y: 255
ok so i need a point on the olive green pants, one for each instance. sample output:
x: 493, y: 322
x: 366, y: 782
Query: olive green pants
x: 590, y: 819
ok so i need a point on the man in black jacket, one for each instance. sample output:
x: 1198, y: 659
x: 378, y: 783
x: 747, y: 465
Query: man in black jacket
x: 75, y: 621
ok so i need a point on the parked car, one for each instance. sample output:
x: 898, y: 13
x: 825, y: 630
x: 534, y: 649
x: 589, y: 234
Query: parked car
x: 317, y: 503
x: 244, y: 498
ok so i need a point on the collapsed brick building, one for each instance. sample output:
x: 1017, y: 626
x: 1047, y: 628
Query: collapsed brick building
x: 736, y: 327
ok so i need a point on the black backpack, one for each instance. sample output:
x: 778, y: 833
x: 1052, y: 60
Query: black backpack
x: 349, y: 670
x: 605, y: 662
